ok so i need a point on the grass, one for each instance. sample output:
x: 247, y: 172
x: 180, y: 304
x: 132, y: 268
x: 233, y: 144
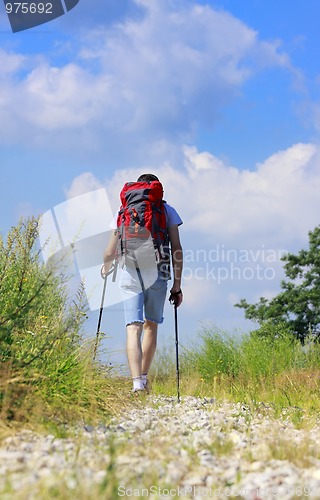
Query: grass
x: 221, y: 446
x: 47, y: 375
x: 269, y: 366
x: 284, y: 449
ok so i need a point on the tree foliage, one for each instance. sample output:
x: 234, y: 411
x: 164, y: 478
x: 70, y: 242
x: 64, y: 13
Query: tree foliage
x: 298, y: 304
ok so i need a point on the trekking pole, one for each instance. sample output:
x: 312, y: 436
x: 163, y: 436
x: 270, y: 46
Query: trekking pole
x: 177, y: 351
x: 114, y: 271
x: 172, y: 301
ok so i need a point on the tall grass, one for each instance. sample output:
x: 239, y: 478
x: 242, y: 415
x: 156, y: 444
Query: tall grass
x: 46, y: 368
x: 268, y: 365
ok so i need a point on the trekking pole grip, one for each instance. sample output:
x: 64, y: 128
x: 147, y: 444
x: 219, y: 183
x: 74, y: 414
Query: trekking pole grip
x: 174, y: 296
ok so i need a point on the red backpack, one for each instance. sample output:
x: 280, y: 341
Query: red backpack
x: 142, y: 223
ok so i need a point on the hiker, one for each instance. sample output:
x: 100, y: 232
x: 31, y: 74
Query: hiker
x: 144, y: 277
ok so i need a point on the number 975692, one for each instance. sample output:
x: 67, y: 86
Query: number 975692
x: 28, y: 8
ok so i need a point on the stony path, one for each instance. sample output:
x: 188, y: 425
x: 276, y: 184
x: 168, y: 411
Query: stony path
x: 197, y: 449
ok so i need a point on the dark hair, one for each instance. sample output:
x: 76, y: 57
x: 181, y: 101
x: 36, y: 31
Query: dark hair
x: 147, y: 178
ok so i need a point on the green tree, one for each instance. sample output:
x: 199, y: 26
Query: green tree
x: 298, y: 304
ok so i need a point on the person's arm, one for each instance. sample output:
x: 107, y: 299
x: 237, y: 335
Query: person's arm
x: 109, y: 253
x: 177, y: 262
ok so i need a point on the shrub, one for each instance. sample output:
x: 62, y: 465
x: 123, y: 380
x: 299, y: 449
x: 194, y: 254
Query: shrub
x: 45, y: 364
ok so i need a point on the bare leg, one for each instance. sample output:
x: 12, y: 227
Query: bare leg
x: 149, y: 344
x: 134, y: 351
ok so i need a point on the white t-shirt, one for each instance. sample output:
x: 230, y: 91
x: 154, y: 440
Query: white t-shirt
x: 172, y: 216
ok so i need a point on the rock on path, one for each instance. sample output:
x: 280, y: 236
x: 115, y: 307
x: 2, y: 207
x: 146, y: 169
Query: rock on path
x: 196, y: 449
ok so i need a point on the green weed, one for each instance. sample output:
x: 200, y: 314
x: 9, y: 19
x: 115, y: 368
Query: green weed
x: 46, y: 367
x: 268, y: 366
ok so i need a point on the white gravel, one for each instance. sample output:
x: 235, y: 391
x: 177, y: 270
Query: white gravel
x: 161, y: 449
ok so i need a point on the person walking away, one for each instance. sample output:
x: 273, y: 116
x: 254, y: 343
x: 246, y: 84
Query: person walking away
x: 145, y: 274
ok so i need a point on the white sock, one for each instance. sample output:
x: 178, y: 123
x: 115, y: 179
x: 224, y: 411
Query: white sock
x: 138, y: 384
x: 144, y: 378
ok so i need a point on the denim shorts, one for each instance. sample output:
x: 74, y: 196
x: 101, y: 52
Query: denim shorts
x: 143, y: 294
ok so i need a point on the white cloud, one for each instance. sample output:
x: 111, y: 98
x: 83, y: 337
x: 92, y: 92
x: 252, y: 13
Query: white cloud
x: 10, y: 63
x: 179, y: 63
x: 67, y: 97
x: 142, y: 86
x: 272, y: 207
x: 82, y: 184
x: 200, y: 161
x: 278, y: 201
x: 275, y: 205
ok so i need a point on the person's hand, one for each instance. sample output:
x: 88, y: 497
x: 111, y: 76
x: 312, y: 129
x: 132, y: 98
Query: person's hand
x: 176, y: 296
x: 104, y: 270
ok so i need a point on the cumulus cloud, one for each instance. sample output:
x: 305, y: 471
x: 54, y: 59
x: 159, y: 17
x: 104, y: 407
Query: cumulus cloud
x: 276, y: 202
x: 178, y: 64
x: 10, y: 63
x: 65, y: 97
x: 274, y: 205
x: 139, y: 86
x: 82, y: 184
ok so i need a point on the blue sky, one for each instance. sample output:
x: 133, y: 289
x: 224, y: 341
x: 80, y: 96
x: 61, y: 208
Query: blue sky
x: 218, y: 98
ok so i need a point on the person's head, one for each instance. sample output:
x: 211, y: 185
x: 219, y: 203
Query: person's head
x: 147, y: 178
